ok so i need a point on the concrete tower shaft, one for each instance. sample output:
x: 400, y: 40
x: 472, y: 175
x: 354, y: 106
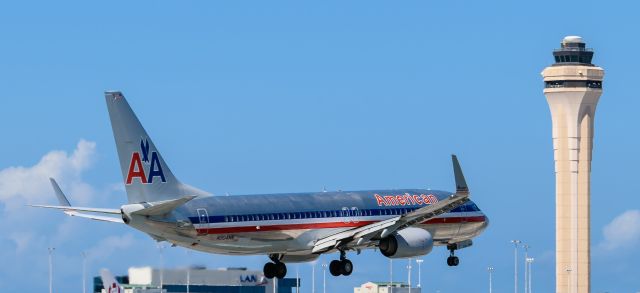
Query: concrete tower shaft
x: 573, y: 87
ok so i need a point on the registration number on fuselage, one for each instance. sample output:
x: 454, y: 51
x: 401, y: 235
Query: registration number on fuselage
x: 225, y: 237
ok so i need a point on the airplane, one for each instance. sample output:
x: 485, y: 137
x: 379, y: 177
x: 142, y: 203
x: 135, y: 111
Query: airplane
x: 289, y: 227
x: 110, y: 283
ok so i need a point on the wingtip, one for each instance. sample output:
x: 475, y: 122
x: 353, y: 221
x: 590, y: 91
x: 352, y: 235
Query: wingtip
x: 461, y: 183
x: 113, y: 95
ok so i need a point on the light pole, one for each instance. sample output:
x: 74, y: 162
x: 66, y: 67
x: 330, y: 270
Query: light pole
x: 390, y: 275
x: 515, y: 270
x: 161, y: 248
x: 324, y: 278
x: 529, y: 262
x: 297, y: 278
x: 275, y: 280
x: 409, y: 274
x: 419, y: 262
x: 188, y: 270
x: 526, y: 267
x: 51, y: 249
x: 84, y: 272
x: 490, y: 270
x: 313, y: 277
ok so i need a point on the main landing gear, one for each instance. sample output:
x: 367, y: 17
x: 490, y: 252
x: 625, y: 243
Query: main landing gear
x: 341, y: 267
x: 452, y: 260
x: 276, y: 268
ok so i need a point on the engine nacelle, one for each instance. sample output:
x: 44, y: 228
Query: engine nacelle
x: 408, y: 242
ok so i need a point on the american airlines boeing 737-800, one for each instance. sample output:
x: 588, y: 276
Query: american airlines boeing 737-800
x: 290, y: 227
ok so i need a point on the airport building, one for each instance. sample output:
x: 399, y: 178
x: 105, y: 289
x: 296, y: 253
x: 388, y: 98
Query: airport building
x: 198, y: 280
x: 386, y: 287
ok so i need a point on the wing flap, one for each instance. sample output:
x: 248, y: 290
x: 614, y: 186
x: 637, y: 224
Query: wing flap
x: 333, y: 241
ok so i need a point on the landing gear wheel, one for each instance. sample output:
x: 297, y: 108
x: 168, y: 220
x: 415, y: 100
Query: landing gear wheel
x: 269, y: 270
x: 335, y: 268
x: 346, y: 267
x: 453, y: 261
x: 280, y: 270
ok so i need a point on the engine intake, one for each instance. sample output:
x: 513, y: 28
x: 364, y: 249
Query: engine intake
x: 408, y: 242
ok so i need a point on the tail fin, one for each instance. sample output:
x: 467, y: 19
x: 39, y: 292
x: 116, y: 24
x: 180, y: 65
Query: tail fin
x: 110, y: 283
x: 146, y: 175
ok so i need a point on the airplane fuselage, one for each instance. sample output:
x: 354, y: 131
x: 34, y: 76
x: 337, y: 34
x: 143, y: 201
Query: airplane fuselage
x: 290, y: 223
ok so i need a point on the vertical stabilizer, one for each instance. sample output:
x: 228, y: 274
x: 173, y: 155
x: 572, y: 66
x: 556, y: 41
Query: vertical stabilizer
x: 146, y: 175
x: 110, y: 283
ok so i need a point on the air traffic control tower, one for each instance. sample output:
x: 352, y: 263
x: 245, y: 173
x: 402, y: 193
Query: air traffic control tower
x: 573, y: 86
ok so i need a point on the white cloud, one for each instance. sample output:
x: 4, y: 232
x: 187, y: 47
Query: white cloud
x: 32, y: 183
x: 20, y: 185
x: 623, y: 231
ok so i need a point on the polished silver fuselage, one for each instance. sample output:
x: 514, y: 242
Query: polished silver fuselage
x: 291, y: 223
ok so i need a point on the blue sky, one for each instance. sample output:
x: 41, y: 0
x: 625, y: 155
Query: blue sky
x: 252, y: 97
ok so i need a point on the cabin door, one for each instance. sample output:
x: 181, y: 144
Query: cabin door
x: 203, y: 217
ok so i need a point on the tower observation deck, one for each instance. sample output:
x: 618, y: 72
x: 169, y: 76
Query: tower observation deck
x: 573, y: 86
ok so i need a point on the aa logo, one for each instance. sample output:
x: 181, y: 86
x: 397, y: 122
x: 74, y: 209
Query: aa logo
x: 137, y: 168
x: 114, y: 288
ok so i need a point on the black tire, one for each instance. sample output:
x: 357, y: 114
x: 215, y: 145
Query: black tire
x: 450, y: 261
x: 455, y: 261
x: 269, y: 270
x: 346, y: 267
x: 335, y: 268
x: 280, y: 270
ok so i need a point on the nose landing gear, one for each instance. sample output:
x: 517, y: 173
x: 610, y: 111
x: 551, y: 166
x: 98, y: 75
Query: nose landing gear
x: 452, y: 260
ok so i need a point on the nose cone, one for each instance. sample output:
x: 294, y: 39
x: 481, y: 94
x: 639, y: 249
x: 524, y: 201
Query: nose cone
x: 485, y: 223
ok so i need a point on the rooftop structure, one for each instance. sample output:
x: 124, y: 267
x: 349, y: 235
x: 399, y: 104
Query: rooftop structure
x: 386, y: 287
x: 199, y: 279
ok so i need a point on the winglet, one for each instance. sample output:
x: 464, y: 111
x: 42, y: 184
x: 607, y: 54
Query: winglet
x: 461, y: 183
x: 59, y: 194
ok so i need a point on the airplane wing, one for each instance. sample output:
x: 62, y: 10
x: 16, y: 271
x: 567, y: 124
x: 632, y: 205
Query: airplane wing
x: 65, y: 205
x: 384, y: 228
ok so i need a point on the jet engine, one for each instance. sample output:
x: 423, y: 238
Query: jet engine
x: 408, y: 242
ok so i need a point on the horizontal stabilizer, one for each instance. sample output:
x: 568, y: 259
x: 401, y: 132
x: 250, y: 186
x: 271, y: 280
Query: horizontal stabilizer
x: 79, y: 209
x: 95, y: 217
x: 66, y: 207
x: 164, y: 207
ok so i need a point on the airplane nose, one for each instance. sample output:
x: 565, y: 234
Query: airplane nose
x: 485, y: 223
